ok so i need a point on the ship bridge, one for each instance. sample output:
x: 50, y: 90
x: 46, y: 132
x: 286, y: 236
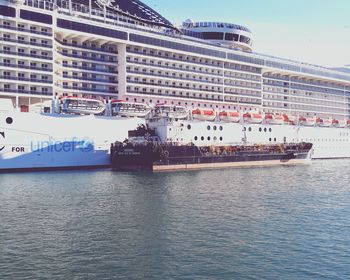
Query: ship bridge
x: 226, y: 34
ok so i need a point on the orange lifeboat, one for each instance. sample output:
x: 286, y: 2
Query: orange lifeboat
x: 289, y: 119
x: 319, y: 121
x: 302, y: 120
x: 229, y: 116
x: 203, y: 115
x: 252, y: 117
x: 335, y: 122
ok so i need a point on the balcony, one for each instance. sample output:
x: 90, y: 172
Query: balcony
x: 26, y: 55
x: 25, y: 42
x: 20, y: 67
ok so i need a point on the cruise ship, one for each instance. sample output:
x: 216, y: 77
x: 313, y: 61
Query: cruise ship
x: 123, y: 50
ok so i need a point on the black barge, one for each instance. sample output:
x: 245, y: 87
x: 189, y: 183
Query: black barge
x: 152, y: 155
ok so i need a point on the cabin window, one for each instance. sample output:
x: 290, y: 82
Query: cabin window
x: 189, y: 127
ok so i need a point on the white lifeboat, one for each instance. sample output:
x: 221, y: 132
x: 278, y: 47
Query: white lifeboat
x: 253, y: 117
x: 335, y: 123
x: 171, y: 111
x: 341, y: 123
x: 229, y: 116
x: 81, y: 106
x: 326, y: 123
x: 204, y: 115
x: 129, y: 109
x: 309, y: 121
x: 274, y: 118
x: 322, y: 122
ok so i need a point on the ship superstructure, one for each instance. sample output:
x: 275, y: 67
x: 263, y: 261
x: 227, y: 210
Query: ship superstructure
x: 124, y: 50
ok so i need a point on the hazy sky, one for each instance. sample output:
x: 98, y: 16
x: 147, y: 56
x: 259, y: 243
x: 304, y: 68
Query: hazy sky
x: 314, y: 31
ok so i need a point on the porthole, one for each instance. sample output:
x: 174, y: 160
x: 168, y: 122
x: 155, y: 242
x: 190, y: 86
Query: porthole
x: 215, y: 138
x: 265, y: 129
x: 244, y: 129
x: 208, y: 138
x: 195, y: 138
x: 270, y: 129
x: 249, y: 129
x: 9, y: 120
x: 221, y: 138
x: 189, y: 127
x: 215, y: 128
x: 270, y: 139
x: 274, y: 139
x: 202, y: 138
x: 260, y: 129
x: 208, y: 127
x: 221, y: 128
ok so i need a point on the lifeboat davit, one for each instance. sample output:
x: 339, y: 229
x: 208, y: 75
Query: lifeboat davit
x: 81, y: 105
x: 229, y: 116
x: 171, y: 111
x: 129, y: 109
x: 274, y: 119
x: 204, y: 115
x: 252, y: 117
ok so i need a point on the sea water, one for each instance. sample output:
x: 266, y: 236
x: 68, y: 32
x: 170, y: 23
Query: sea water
x: 288, y: 222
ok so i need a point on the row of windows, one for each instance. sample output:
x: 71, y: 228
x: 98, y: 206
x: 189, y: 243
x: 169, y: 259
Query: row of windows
x: 175, y: 46
x: 215, y: 138
x: 37, y: 17
x: 87, y: 28
x: 7, y: 11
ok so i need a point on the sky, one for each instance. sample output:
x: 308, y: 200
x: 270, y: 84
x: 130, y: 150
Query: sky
x: 313, y: 31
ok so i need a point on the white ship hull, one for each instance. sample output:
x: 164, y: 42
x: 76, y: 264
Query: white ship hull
x: 35, y: 141
x: 38, y: 141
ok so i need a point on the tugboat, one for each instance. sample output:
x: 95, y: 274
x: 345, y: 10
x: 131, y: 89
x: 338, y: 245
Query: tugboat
x: 162, y: 145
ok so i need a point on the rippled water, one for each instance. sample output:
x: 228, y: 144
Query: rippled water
x: 256, y: 223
